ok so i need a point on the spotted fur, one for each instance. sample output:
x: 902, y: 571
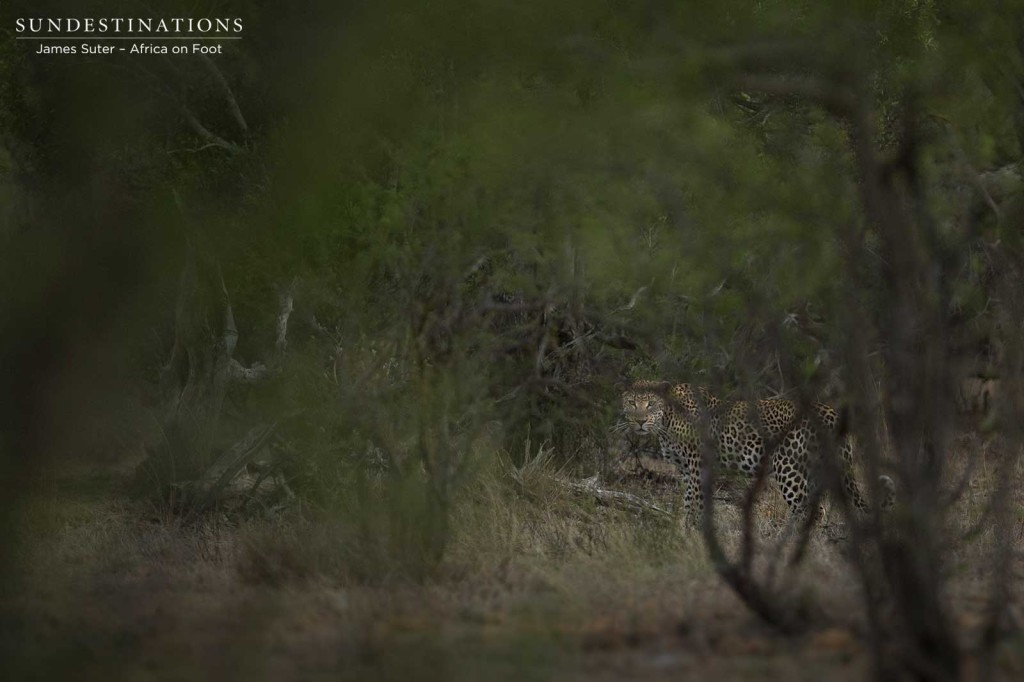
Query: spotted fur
x: 680, y: 416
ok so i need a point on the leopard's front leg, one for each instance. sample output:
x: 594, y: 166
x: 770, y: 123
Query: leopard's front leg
x: 688, y: 462
x: 693, y: 488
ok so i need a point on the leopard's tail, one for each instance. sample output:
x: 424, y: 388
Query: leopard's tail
x: 888, y: 492
x: 888, y: 485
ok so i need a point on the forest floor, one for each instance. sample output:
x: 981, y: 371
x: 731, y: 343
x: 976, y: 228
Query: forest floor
x: 107, y: 589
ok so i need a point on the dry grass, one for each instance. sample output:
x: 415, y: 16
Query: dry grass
x: 537, y: 582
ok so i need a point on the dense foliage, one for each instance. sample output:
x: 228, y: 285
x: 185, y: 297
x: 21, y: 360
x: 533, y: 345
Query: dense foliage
x: 480, y: 218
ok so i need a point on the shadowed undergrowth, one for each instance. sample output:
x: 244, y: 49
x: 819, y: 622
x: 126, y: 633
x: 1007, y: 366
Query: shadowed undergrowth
x: 538, y: 581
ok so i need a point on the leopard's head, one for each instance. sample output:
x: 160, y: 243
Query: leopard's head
x: 643, y: 408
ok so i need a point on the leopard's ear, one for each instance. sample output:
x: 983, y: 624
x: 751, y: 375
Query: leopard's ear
x: 622, y: 385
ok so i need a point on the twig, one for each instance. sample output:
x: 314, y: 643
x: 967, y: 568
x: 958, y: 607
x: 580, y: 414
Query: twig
x: 630, y: 501
x: 287, y: 304
x: 229, y: 96
x: 203, y: 132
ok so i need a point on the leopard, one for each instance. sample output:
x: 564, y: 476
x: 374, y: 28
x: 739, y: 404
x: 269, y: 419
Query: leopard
x: 977, y: 395
x: 685, y: 418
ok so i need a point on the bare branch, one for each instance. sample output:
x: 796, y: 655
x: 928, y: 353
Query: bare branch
x: 247, y: 375
x: 619, y: 498
x: 229, y: 96
x: 633, y: 300
x: 287, y: 303
x: 231, y: 463
x: 837, y: 99
x: 204, y: 132
x: 230, y: 338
